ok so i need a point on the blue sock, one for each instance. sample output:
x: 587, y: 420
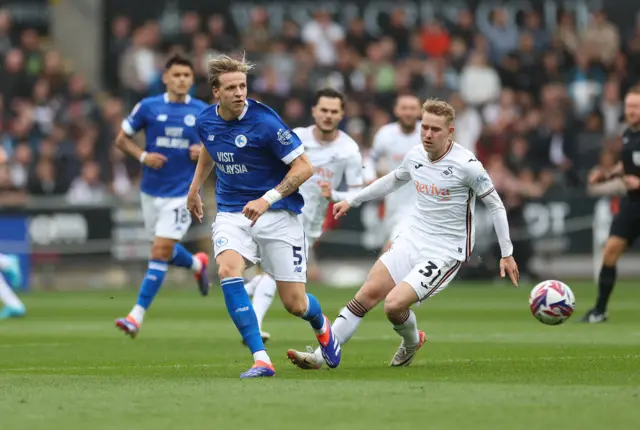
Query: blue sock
x: 181, y: 257
x: 242, y: 313
x: 151, y: 282
x: 314, y: 313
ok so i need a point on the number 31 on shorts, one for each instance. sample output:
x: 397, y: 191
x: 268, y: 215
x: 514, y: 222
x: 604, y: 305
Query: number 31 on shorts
x: 432, y: 276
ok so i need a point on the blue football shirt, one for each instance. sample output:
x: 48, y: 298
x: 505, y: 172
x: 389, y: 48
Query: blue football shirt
x: 170, y: 128
x: 252, y: 155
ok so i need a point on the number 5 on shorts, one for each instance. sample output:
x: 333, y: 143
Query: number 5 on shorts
x: 297, y: 255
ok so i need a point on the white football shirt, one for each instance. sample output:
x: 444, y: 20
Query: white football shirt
x: 390, y: 146
x: 441, y: 220
x: 331, y: 162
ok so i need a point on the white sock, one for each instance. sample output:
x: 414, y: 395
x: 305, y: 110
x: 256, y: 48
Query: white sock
x: 344, y: 327
x: 196, y: 265
x: 250, y: 286
x: 7, y: 296
x: 5, y: 262
x: 263, y: 296
x: 261, y: 356
x: 137, y: 313
x: 409, y: 330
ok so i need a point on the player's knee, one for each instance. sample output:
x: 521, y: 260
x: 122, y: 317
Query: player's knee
x: 162, y: 250
x: 393, y: 306
x: 296, y: 306
x: 226, y: 270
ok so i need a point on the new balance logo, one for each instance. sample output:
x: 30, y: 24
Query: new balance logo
x: 211, y: 137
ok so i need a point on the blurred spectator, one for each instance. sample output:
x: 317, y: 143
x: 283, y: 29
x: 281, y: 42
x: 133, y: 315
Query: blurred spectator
x: 435, y: 39
x: 357, y: 37
x: 10, y: 194
x: 44, y: 180
x: 13, y: 81
x: 291, y: 35
x: 138, y: 65
x: 5, y: 30
x: 378, y: 70
x: 479, y: 82
x: 324, y: 36
x: 87, y: 188
x: 501, y: 34
x: 611, y: 108
x: 44, y: 109
x: 256, y: 39
x: 221, y: 39
x: 281, y: 61
x: 55, y: 74
x: 30, y: 45
x: 566, y: 33
x: 464, y: 28
x: 533, y: 26
x: 468, y: 123
x: 584, y: 83
x: 118, y: 42
x: 602, y: 38
x: 189, y: 26
x: 399, y: 32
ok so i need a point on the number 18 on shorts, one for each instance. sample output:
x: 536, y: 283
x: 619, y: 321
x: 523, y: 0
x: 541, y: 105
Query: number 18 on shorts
x: 166, y: 217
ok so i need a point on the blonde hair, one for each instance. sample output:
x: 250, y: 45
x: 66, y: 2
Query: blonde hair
x: 440, y: 108
x: 226, y: 64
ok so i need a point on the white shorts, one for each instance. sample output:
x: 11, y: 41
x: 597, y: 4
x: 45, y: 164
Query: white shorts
x: 427, y: 274
x: 277, y: 242
x: 166, y: 217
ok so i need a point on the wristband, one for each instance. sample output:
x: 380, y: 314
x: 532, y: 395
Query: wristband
x: 272, y: 196
x: 143, y: 156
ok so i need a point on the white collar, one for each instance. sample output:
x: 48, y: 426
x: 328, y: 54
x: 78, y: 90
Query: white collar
x: 187, y: 99
x: 244, y: 111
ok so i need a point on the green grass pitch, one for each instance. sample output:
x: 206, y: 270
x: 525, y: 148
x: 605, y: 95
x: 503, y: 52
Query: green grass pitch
x: 488, y: 364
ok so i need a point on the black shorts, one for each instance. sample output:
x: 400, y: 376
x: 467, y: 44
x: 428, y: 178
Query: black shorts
x: 626, y: 224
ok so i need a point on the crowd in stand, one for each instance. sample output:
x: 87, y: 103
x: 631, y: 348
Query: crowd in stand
x: 539, y: 107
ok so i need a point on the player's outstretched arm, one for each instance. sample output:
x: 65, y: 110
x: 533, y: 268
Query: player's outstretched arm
x: 478, y: 180
x: 377, y: 189
x: 203, y: 170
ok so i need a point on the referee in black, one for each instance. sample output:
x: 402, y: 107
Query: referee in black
x: 625, y: 228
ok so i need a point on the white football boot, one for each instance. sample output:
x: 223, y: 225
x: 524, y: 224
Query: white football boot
x: 405, y: 355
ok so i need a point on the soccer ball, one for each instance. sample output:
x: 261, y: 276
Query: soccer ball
x: 552, y: 302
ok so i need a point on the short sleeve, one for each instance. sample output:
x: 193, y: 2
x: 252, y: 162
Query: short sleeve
x: 354, y: 173
x: 477, y: 178
x: 282, y: 141
x: 137, y: 119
